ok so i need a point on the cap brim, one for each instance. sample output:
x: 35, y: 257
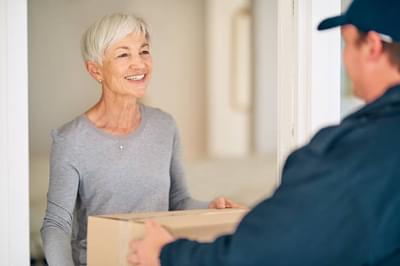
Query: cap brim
x: 333, y: 22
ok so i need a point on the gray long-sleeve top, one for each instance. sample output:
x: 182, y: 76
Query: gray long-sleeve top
x: 93, y: 173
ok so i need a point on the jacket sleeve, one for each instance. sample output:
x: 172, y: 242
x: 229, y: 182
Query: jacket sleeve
x: 179, y: 196
x: 305, y: 222
x: 61, y: 198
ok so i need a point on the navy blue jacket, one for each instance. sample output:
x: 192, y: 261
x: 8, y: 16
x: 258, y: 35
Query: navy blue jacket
x: 338, y: 204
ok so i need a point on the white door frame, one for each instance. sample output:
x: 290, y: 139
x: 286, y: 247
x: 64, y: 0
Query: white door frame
x: 308, y: 72
x: 14, y: 162
x: 308, y: 98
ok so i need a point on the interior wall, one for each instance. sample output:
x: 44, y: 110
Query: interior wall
x: 265, y: 75
x: 61, y: 89
x: 14, y: 163
x: 229, y: 125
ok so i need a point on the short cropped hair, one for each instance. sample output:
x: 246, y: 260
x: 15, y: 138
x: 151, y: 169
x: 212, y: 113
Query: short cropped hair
x: 392, y: 49
x: 106, y: 31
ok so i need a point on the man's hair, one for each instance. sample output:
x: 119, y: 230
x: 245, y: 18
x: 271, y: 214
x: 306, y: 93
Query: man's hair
x: 106, y: 31
x: 392, y: 49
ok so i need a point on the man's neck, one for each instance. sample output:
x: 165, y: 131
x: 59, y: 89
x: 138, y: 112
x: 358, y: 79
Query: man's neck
x: 381, y: 82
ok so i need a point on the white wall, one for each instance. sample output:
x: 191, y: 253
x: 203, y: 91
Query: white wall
x: 319, y: 69
x: 325, y: 72
x: 265, y: 75
x: 308, y: 72
x: 228, y: 127
x: 14, y: 227
x: 60, y: 88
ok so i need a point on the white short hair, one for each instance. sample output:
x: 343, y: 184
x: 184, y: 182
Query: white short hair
x: 106, y: 31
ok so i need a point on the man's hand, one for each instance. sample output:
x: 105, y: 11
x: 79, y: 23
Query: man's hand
x: 146, y: 252
x: 222, y: 203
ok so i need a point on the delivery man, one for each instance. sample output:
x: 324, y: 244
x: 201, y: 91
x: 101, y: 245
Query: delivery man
x: 339, y: 202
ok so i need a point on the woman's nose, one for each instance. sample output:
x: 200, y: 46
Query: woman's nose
x: 137, y: 62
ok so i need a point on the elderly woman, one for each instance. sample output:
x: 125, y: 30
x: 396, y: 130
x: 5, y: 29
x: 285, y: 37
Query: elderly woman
x: 120, y: 155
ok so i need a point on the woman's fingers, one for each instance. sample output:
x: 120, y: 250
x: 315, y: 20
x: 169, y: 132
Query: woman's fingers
x: 223, y: 203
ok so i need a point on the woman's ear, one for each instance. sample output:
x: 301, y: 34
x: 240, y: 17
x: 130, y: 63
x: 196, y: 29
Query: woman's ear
x: 94, y: 70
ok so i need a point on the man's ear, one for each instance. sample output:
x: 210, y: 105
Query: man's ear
x: 94, y: 70
x: 374, y: 45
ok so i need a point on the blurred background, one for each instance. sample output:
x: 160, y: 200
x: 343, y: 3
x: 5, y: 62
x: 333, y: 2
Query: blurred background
x: 214, y: 71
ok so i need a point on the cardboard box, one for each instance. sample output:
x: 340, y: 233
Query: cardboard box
x: 109, y: 235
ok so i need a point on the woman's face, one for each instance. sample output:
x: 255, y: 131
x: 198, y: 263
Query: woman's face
x: 127, y: 66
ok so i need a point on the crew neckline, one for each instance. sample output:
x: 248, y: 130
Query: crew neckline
x: 136, y: 132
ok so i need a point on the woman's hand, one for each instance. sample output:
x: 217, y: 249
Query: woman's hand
x: 146, y: 252
x: 223, y: 203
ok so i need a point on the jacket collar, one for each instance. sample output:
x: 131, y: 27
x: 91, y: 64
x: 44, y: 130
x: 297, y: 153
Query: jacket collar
x: 389, y: 102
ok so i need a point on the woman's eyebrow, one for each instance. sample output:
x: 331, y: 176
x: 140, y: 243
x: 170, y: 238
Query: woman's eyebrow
x: 127, y: 48
x: 122, y: 47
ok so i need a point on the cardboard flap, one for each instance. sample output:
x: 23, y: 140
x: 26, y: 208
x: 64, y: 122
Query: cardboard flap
x: 158, y: 215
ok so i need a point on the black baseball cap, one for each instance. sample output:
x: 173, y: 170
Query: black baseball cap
x: 381, y: 16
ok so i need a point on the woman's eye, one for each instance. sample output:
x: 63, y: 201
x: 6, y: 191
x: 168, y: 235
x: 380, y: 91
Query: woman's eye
x: 122, y: 55
x: 145, y: 52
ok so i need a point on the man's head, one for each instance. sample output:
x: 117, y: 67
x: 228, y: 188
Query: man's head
x: 371, y: 33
